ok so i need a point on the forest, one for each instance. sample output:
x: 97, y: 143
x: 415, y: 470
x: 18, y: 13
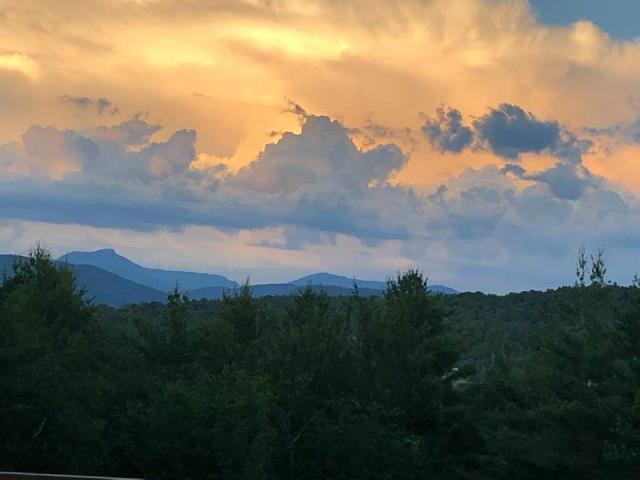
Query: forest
x: 531, y: 385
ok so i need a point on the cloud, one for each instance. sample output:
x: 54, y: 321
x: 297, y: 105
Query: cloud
x: 21, y: 63
x: 120, y: 152
x: 371, y: 66
x: 118, y: 177
x: 323, y: 156
x: 422, y: 53
x: 114, y: 159
x: 104, y: 105
x: 296, y: 109
x: 101, y: 105
x: 566, y: 181
x: 316, y: 186
x: 78, y: 101
x: 446, y: 132
x: 508, y: 131
x: 317, y: 179
x: 514, y: 169
x: 625, y: 133
x: 130, y: 133
x: 487, y: 221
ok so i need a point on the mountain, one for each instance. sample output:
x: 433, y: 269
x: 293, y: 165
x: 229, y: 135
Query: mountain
x: 112, y: 279
x: 442, y: 289
x: 6, y: 264
x: 103, y: 287
x: 274, y: 289
x: 163, y: 280
x: 326, y: 279
x: 107, y: 288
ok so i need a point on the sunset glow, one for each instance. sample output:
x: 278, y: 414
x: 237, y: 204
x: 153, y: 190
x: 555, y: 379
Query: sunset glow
x: 271, y: 137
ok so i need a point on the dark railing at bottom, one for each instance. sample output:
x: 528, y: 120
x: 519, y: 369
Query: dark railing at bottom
x: 50, y: 476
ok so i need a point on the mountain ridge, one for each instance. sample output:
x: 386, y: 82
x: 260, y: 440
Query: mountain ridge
x: 102, y: 286
x: 159, y: 279
x: 278, y: 289
x: 325, y: 278
x: 108, y: 288
x: 165, y: 280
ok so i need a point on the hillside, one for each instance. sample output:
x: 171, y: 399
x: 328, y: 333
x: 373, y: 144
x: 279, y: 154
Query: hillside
x: 487, y: 380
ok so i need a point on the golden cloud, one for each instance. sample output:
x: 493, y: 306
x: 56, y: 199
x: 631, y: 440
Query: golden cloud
x: 226, y: 67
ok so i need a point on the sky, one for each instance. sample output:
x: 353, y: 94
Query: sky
x: 619, y: 18
x: 481, y: 141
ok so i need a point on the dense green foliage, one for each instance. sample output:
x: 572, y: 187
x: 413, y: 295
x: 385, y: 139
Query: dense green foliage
x: 536, y: 385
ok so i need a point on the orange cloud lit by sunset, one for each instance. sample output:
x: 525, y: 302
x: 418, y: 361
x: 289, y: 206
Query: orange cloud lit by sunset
x: 383, y: 61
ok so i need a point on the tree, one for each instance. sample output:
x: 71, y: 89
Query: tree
x: 414, y: 363
x: 581, y: 267
x: 50, y: 387
x: 177, y: 305
x: 241, y: 311
x: 598, y: 269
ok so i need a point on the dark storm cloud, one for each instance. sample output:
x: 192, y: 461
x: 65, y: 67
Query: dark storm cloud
x: 446, y: 131
x: 508, y: 131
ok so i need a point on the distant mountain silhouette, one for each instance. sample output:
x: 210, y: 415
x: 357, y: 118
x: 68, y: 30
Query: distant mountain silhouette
x: 103, y: 287
x: 441, y: 289
x: 6, y: 263
x: 163, y: 280
x: 325, y: 278
x: 113, y: 280
x: 107, y: 288
x: 275, y: 289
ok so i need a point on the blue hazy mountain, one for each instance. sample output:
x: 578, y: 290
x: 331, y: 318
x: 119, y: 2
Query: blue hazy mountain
x: 6, y: 264
x: 103, y: 287
x: 107, y: 288
x: 276, y: 289
x: 112, y: 279
x: 325, y: 278
x: 163, y: 280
